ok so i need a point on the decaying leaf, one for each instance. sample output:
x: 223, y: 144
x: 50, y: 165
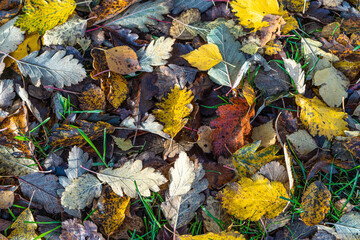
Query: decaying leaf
x: 10, y: 164
x: 67, y: 33
x: 10, y: 36
x: 205, y: 57
x: 174, y: 110
x: 110, y: 212
x: 76, y: 160
x: 320, y: 119
x: 41, y: 15
x: 215, y: 236
x: 23, y: 230
x: 7, y: 93
x: 7, y: 196
x: 81, y: 192
x: 265, y: 133
x: 173, y: 148
x: 247, y: 160
x: 52, y: 68
x: 122, y: 60
x: 253, y: 198
x: 297, y: 74
x: 74, y: 229
x: 348, y: 227
x: 204, y: 138
x: 214, y: 208
x: 231, y: 127
x: 93, y: 98
x: 155, y: 54
x: 315, y: 203
x: 302, y: 141
x: 117, y: 89
x: 181, y: 28
x: 122, y: 179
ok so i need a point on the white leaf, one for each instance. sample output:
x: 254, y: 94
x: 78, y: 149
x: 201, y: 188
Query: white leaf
x: 52, y: 68
x: 6, y: 93
x: 76, y: 159
x: 348, y: 227
x: 67, y: 33
x: 155, y: 54
x: 182, y: 176
x: 141, y: 14
x: 81, y: 192
x: 122, y: 179
x: 10, y: 36
x: 296, y: 73
x: 149, y: 125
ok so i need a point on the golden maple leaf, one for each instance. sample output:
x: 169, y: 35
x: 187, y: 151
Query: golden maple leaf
x: 320, y: 119
x: 205, y: 57
x: 40, y: 15
x: 253, y: 198
x: 251, y: 13
x: 174, y: 109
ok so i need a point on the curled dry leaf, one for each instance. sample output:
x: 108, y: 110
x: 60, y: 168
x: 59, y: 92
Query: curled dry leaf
x: 316, y: 203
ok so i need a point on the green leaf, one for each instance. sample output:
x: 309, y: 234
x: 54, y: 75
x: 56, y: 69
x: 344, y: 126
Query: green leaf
x: 141, y: 14
x: 225, y: 73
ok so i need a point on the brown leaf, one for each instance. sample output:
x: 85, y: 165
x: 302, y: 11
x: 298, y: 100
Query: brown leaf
x: 204, y: 139
x: 231, y: 127
x: 99, y: 63
x: 93, y: 98
x: 67, y: 135
x: 269, y: 33
x: 133, y: 223
x: 122, y: 60
x: 7, y: 196
x: 217, y: 175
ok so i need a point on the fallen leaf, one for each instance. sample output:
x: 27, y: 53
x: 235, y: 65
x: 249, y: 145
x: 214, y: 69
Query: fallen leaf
x: 275, y: 172
x: 122, y: 179
x: 73, y: 229
x: 122, y: 143
x: 19, y: 166
x: 320, y: 119
x: 265, y: 133
x: 117, y: 89
x: 302, y: 141
x: 180, y: 28
x: 295, y: 5
x: 333, y: 85
x: 7, y: 196
x: 122, y: 60
x: 214, y: 208
x: 247, y: 160
x: 93, y: 98
x: 174, y: 109
x: 218, y: 175
x: 269, y: 33
x: 315, y: 203
x: 7, y: 93
x: 44, y: 228
x: 155, y: 54
x: 110, y: 212
x: 23, y: 230
x: 348, y: 227
x: 296, y: 73
x: 76, y: 160
x: 204, y: 139
x: 182, y: 5
x: 253, y: 198
x: 231, y: 127
x: 205, y: 57
x: 173, y: 148
x: 81, y: 192
x: 215, y: 236
x: 10, y: 36
x: 343, y: 206
x: 41, y: 15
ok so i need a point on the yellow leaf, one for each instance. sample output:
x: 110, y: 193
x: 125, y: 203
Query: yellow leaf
x: 247, y: 161
x: 205, y: 57
x: 251, y: 13
x: 215, y: 236
x: 174, y: 109
x: 320, y: 119
x: 111, y: 211
x: 249, y: 93
x: 40, y: 15
x: 253, y: 198
x: 117, y: 89
x: 30, y: 44
x: 23, y: 230
x: 315, y: 203
x: 93, y: 98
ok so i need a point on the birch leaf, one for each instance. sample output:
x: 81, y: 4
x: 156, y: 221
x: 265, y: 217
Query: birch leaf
x: 81, y: 192
x: 320, y: 119
x: 181, y: 5
x: 253, y: 198
x: 10, y: 36
x: 155, y: 54
x: 296, y: 73
x: 122, y: 179
x: 41, y: 15
x: 140, y: 15
x: 173, y: 110
x: 122, y: 60
x: 205, y: 57
x: 7, y: 93
x: 23, y: 230
x: 76, y: 159
x: 67, y: 33
x: 224, y: 73
x: 52, y: 68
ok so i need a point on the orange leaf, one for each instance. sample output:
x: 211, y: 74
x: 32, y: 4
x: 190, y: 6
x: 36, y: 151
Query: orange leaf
x: 231, y: 127
x: 122, y: 60
x: 116, y: 89
x: 93, y: 98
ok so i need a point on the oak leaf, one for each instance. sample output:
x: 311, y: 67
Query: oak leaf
x: 315, y: 203
x: 22, y: 229
x: 155, y: 54
x: 41, y: 15
x: 214, y: 236
x: 247, y: 161
x: 122, y: 180
x: 253, y: 198
x: 110, y: 213
x: 231, y: 127
x: 205, y: 57
x: 122, y: 60
x: 320, y: 119
x: 173, y: 110
x: 93, y: 98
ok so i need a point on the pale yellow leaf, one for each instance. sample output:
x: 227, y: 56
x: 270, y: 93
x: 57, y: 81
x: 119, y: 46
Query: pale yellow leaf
x: 205, y: 57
